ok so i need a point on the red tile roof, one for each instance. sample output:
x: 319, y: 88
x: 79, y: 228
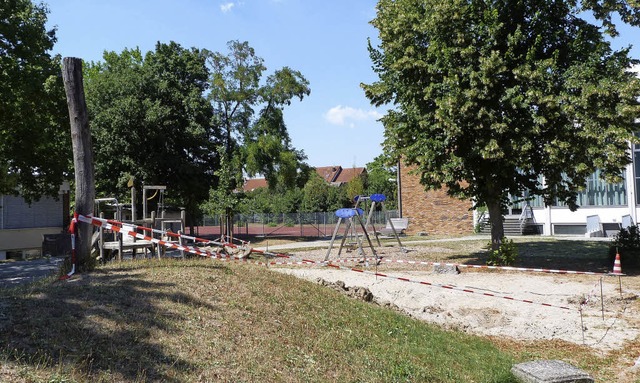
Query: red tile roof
x: 347, y: 175
x: 255, y: 183
x: 329, y: 173
x: 332, y: 174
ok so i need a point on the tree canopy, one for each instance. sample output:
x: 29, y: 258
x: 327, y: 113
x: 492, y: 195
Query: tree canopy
x: 151, y: 121
x: 497, y: 98
x: 253, y: 143
x: 185, y: 118
x: 35, y: 143
x: 380, y: 179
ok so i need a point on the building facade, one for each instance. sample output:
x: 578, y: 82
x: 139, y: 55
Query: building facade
x: 23, y: 226
x: 432, y: 212
x: 602, y: 205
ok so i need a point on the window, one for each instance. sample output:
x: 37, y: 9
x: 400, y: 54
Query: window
x: 598, y: 192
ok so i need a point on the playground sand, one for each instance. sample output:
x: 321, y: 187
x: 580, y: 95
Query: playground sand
x: 505, y: 314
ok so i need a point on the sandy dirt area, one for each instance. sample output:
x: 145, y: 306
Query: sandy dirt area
x: 524, y: 305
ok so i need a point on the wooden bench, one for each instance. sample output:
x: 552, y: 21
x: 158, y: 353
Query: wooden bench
x: 399, y: 224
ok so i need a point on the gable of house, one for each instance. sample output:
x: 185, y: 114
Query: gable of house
x: 23, y: 225
x: 16, y: 213
x: 346, y: 175
x: 329, y: 173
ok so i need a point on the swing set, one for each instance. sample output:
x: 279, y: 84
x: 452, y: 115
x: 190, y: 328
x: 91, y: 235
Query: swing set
x: 352, y: 217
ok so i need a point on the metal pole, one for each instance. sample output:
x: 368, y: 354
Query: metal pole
x: 582, y: 325
x: 620, y: 285
x: 601, y: 298
x: 133, y: 204
x: 399, y: 179
x: 335, y: 232
x: 144, y: 203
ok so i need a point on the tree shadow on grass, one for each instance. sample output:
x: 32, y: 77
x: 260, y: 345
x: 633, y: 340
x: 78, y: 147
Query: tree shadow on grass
x: 583, y: 256
x: 106, y: 324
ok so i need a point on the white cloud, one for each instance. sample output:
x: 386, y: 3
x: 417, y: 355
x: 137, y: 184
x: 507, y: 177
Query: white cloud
x: 226, y: 7
x: 343, y: 115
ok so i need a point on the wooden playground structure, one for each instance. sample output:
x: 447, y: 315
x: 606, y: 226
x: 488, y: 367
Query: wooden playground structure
x: 154, y: 223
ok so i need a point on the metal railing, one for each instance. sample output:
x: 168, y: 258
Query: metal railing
x: 593, y: 224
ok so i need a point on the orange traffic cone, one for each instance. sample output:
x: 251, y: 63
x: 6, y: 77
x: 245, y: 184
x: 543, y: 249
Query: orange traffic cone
x: 617, y: 267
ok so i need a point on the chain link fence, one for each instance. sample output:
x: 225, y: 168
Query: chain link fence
x: 319, y: 224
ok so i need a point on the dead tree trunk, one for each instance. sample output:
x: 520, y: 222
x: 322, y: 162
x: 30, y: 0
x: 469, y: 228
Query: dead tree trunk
x: 82, y: 156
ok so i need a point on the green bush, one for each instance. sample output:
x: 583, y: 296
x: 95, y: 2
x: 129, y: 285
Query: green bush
x: 505, y: 255
x: 627, y: 244
x: 628, y: 238
x: 478, y: 227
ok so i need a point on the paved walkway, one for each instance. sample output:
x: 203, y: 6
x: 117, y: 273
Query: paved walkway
x: 20, y: 272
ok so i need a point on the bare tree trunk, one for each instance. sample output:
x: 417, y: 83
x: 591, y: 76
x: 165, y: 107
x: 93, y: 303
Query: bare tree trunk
x: 229, y: 225
x: 497, y: 224
x: 82, y: 155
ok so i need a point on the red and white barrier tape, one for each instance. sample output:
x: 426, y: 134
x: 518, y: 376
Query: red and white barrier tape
x: 193, y: 250
x: 73, y: 229
x: 504, y: 268
x: 449, y: 287
x: 405, y: 261
x: 168, y: 233
x: 110, y: 226
x: 119, y: 224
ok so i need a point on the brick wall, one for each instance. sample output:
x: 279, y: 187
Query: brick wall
x: 433, y: 212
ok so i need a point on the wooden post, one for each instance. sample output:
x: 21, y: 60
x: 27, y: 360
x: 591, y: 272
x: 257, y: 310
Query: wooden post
x: 82, y: 155
x: 101, y: 239
x: 133, y: 204
x: 183, y: 219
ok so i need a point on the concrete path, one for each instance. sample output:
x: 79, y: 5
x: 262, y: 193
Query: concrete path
x: 20, y: 272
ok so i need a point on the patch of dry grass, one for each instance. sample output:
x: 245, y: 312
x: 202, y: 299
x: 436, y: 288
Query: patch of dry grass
x: 197, y: 320
x: 533, y: 252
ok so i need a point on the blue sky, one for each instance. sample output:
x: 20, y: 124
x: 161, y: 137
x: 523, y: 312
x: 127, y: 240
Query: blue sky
x: 325, y: 40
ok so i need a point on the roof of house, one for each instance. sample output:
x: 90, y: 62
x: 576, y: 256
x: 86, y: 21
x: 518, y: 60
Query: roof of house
x: 329, y: 173
x: 335, y: 175
x: 347, y: 175
x: 254, y: 183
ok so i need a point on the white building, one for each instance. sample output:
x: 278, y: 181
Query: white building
x: 602, y: 205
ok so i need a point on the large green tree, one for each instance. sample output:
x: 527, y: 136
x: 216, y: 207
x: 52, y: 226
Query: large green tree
x: 315, y: 194
x: 380, y: 179
x: 150, y: 120
x: 253, y: 143
x: 491, y: 95
x: 35, y: 148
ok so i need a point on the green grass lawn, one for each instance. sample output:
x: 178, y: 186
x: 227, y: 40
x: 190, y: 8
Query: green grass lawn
x: 203, y: 321
x: 533, y: 252
x: 198, y: 320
